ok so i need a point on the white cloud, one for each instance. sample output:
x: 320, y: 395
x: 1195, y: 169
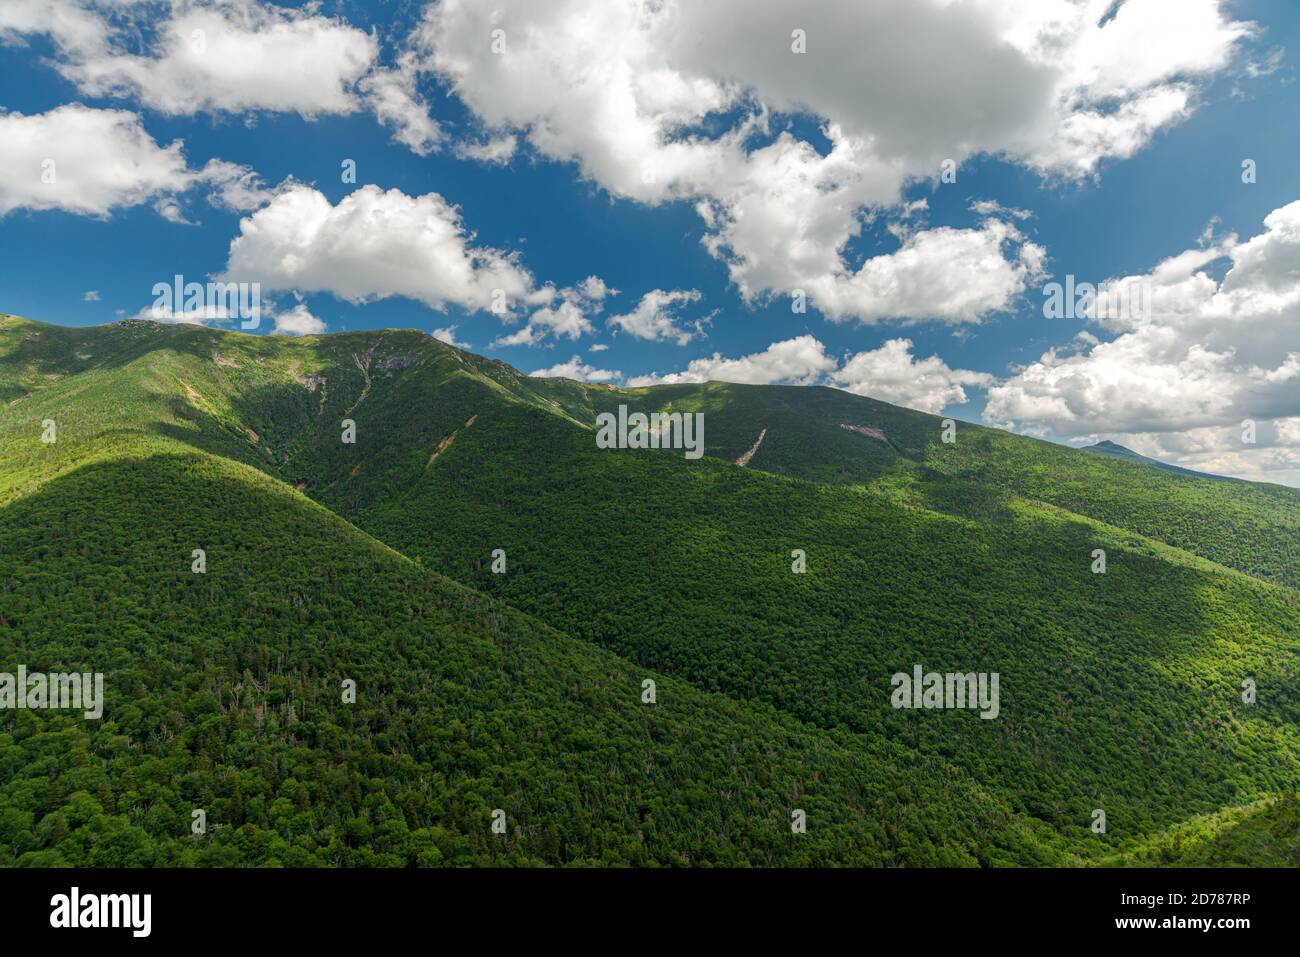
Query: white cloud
x: 801, y: 361
x: 900, y: 85
x: 90, y: 295
x: 575, y: 368
x: 396, y: 102
x: 1204, y: 355
x: 447, y: 334
x: 87, y: 161
x: 169, y: 208
x: 951, y: 275
x: 498, y: 150
x: 374, y: 244
x: 199, y: 316
x: 224, y: 56
x: 72, y: 23
x: 563, y: 320
x: 595, y: 289
x: 238, y: 189
x: 298, y: 321
x: 891, y: 374
x: 232, y: 56
x: 991, y: 207
x: 654, y: 316
x: 565, y: 313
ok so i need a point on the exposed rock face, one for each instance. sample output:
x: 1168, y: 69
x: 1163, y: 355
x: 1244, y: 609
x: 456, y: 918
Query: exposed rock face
x: 392, y: 363
x: 866, y: 430
x: 141, y: 324
x: 445, y: 444
x: 744, y: 459
x: 310, y: 381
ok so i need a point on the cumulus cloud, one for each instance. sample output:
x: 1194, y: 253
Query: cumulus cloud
x: 374, y: 244
x: 991, y: 207
x: 565, y: 319
x: 202, y: 315
x: 946, y: 274
x: 1203, y: 355
x: 565, y: 313
x: 801, y: 360
x: 595, y: 289
x: 230, y: 56
x: 497, y: 150
x: 169, y: 208
x: 447, y: 334
x: 655, y: 316
x: 73, y: 24
x: 298, y: 321
x: 622, y: 90
x: 90, y: 162
x: 396, y: 102
x: 237, y: 189
x: 377, y: 244
x: 575, y: 368
x: 224, y: 56
x: 892, y: 374
x: 85, y: 161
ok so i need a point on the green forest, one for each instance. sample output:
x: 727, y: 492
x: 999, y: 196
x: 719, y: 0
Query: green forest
x: 500, y: 714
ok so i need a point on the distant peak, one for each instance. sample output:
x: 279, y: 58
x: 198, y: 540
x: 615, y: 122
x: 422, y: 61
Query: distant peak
x: 1115, y: 450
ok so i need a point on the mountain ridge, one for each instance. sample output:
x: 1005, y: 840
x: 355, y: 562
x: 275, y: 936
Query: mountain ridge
x: 1106, y: 447
x: 682, y: 570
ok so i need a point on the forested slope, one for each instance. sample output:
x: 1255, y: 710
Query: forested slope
x: 223, y: 692
x: 1263, y: 833
x: 1120, y: 691
x: 1249, y: 526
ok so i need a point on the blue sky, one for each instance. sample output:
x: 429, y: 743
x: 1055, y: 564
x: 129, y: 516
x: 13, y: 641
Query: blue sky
x: 567, y: 204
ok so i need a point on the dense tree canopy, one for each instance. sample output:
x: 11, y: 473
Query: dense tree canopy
x: 523, y: 691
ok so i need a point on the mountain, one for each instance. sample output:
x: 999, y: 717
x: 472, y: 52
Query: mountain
x: 812, y: 434
x: 1106, y: 447
x: 522, y: 691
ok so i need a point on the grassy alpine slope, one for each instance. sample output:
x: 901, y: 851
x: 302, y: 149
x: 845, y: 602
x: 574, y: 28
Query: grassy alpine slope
x: 1119, y: 691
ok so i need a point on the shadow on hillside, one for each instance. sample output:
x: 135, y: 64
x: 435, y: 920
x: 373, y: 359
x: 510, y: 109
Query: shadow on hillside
x: 684, y: 568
